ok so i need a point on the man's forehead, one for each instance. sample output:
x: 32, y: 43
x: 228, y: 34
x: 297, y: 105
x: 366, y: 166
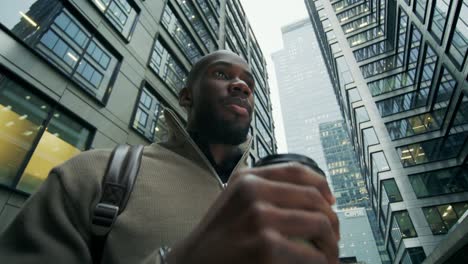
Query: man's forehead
x: 226, y: 58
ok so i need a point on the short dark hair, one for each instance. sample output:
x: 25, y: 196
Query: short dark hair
x: 200, y: 65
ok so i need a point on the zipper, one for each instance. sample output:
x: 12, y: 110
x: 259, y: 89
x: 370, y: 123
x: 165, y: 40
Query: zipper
x: 198, y: 150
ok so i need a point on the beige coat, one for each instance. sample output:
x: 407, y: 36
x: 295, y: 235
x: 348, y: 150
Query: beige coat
x: 174, y: 189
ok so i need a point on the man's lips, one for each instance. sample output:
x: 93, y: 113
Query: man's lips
x: 239, y: 105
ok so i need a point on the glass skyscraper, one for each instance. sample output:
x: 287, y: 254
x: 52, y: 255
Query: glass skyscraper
x: 399, y: 70
x: 306, y: 94
x: 343, y: 169
x: 76, y: 75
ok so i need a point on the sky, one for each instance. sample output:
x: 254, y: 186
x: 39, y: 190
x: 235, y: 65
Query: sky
x: 266, y: 19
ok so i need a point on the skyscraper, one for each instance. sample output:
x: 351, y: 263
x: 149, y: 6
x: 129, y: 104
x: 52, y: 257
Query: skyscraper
x: 343, y: 169
x: 399, y: 70
x: 306, y: 95
x: 76, y: 75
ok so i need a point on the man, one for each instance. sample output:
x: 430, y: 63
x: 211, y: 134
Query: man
x: 180, y: 198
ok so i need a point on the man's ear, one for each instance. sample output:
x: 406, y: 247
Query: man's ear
x: 185, y: 97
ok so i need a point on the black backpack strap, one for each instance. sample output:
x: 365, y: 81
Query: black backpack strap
x: 117, y: 185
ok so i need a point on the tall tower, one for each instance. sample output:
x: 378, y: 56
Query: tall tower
x: 399, y: 70
x: 306, y: 95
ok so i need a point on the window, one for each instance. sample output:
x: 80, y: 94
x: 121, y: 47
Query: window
x: 365, y: 36
x: 445, y: 88
x: 237, y: 25
x: 392, y: 83
x: 459, y: 42
x: 439, y: 182
x: 439, y: 18
x: 149, y: 119
x: 263, y: 131
x: 392, y: 191
x: 461, y: 116
x: 36, y: 133
x: 420, y: 9
x: 404, y: 102
x: 442, y: 217
x: 413, y: 256
x: 353, y: 95
x: 180, y: 34
x: 361, y: 115
x: 64, y: 42
x: 262, y: 150
x: 167, y: 68
x: 212, y: 19
x: 379, y: 164
x: 372, y: 50
x: 432, y: 150
x: 405, y: 225
x: 416, y: 125
x: 120, y: 13
x: 192, y: 15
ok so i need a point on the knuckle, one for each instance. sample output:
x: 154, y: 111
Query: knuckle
x: 322, y: 222
x: 258, y: 212
x: 267, y: 244
x: 313, y: 194
x: 247, y: 187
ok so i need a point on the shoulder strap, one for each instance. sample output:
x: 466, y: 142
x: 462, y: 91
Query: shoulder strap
x: 117, y: 185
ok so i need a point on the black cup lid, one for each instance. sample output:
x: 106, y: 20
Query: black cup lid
x: 289, y: 157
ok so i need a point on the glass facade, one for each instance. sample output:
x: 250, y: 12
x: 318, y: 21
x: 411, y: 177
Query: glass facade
x: 343, y: 169
x: 59, y: 37
x: 409, y: 60
x: 36, y: 135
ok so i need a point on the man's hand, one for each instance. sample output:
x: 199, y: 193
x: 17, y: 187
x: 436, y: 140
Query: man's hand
x: 259, y: 218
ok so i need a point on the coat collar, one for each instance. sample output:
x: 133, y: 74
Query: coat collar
x: 180, y: 142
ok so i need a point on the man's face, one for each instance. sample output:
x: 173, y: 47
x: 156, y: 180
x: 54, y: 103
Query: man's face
x: 223, y: 99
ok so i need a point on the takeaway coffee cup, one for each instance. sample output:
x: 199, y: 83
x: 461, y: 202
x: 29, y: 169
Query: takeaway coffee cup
x: 289, y: 157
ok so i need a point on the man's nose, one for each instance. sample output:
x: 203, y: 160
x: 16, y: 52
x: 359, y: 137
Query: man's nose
x: 239, y: 87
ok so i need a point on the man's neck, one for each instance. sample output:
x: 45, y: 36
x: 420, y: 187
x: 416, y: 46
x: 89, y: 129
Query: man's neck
x: 223, y: 157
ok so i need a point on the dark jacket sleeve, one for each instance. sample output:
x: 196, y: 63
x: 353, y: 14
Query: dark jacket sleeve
x: 47, y: 229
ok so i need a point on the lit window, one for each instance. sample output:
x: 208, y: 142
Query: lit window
x: 442, y: 217
x: 38, y: 133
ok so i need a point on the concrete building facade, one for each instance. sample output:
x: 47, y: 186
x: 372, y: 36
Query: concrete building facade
x: 77, y: 75
x: 399, y: 70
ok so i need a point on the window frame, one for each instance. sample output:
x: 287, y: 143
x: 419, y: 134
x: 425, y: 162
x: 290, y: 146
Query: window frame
x: 95, y: 33
x: 55, y: 106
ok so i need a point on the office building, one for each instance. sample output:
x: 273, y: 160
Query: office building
x: 76, y: 75
x: 399, y: 70
x: 343, y: 169
x: 357, y: 241
x: 306, y: 95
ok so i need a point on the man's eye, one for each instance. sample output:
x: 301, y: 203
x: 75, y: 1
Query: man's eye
x: 220, y: 75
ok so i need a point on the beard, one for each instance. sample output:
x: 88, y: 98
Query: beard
x: 217, y: 130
